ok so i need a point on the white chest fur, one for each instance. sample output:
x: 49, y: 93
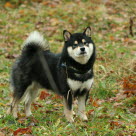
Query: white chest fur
x: 75, y: 85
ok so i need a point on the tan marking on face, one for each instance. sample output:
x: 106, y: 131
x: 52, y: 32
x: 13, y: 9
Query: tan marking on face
x: 76, y: 42
x: 83, y: 40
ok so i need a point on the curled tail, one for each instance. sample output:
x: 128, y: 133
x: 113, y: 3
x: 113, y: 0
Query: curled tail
x: 35, y: 44
x: 35, y: 41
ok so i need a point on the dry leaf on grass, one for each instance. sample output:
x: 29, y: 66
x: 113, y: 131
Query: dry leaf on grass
x: 43, y: 95
x: 37, y: 105
x: 129, y: 84
x: 21, y: 131
x: 9, y: 5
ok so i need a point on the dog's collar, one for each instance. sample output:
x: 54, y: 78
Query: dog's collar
x: 73, y: 70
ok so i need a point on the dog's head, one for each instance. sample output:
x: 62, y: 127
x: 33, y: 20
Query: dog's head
x: 79, y: 46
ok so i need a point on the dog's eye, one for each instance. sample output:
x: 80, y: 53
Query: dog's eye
x: 75, y: 45
x: 85, y: 43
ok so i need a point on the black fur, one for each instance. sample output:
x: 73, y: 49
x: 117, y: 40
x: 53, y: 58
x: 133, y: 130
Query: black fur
x: 28, y: 68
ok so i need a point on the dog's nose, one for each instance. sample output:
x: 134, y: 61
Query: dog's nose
x: 82, y: 49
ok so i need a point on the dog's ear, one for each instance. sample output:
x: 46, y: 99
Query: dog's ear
x: 87, y: 31
x: 66, y: 35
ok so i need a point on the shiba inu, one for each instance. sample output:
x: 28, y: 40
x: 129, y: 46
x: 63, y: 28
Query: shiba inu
x: 69, y: 73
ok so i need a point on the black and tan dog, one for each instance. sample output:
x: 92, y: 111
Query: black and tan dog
x: 69, y: 74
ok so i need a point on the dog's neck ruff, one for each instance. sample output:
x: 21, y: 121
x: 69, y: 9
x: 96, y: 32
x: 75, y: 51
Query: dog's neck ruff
x: 73, y: 70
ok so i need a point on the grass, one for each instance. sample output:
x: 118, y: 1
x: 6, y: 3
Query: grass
x: 109, y: 115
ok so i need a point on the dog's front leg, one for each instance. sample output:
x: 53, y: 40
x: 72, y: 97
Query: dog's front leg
x: 68, y: 109
x: 81, y: 106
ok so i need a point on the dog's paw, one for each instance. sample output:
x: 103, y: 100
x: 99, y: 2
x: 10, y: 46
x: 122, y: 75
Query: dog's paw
x: 73, y: 113
x: 70, y: 119
x: 28, y: 113
x: 83, y: 116
x: 69, y: 115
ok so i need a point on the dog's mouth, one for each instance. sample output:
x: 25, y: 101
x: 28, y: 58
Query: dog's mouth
x: 81, y: 54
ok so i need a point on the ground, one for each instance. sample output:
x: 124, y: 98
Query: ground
x: 111, y: 107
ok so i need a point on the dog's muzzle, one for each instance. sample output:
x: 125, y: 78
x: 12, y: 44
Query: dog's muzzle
x: 82, y: 51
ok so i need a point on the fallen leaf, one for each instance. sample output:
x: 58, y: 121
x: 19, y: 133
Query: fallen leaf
x: 36, y: 105
x: 114, y: 124
x: 91, y: 99
x: 57, y: 97
x: 112, y: 38
x: 21, y: 12
x: 129, y: 83
x: 129, y: 86
x: 95, y: 104
x: 43, y: 95
x: 117, y: 104
x: 58, y: 105
x: 22, y: 120
x: 90, y: 112
x: 129, y: 92
x: 8, y: 5
x: 22, y: 131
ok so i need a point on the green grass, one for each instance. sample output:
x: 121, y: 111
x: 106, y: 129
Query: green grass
x: 115, y: 61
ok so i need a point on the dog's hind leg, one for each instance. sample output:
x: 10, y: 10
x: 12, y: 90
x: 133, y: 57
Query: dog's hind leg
x: 31, y: 94
x: 14, y: 106
x: 19, y: 93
